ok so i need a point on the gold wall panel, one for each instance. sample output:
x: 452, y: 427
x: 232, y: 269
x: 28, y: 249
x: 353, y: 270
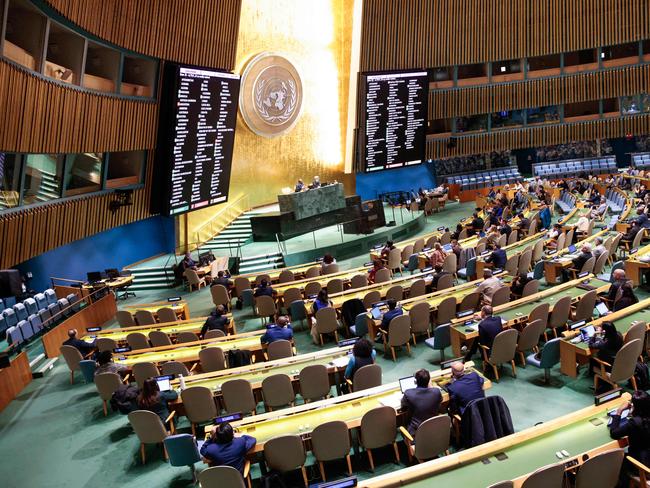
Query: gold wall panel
x: 316, y: 36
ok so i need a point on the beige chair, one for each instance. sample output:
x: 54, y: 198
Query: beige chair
x: 279, y: 349
x: 512, y: 264
x: 212, y: 359
x: 561, y: 240
x: 503, y: 240
x: 314, y: 382
x: 547, y: 477
x: 331, y: 441
x: 368, y: 376
x: 601, y: 470
x: 503, y: 351
x: 193, y: 280
x: 371, y: 297
x: 463, y: 235
x: 262, y: 277
x: 445, y: 282
x: 137, y: 340
x: 500, y: 484
x: 330, y: 269
x: 446, y: 310
x: 225, y: 477
x: 378, y: 429
x: 186, y: 336
x: 145, y: 317
x: 125, y: 319
x: 327, y: 323
x: 600, y: 263
x: 312, y: 288
x: 538, y: 250
x: 105, y: 344
x: 420, y: 315
x: 431, y: 438
x: 587, y: 267
x: 265, y: 307
x: 530, y: 288
x: 286, y: 276
x: 286, y: 453
x: 335, y: 285
x: 143, y: 371
x: 175, y: 368
x: 277, y: 391
x: 529, y: 339
x: 72, y: 358
x: 241, y: 283
x: 107, y: 384
x: 470, y: 302
x: 395, y: 260
x: 238, y: 396
x: 406, y: 253
x: 636, y: 331
x: 559, y: 316
x: 585, y: 307
x: 512, y: 238
x: 291, y: 295
x: 313, y: 272
x: 214, y: 334
x: 417, y: 288
x: 166, y: 315
x: 395, y: 292
x: 501, y: 296
x: 158, y: 338
x: 220, y: 296
x: 149, y: 429
x: 199, y: 405
x: 622, y: 368
x: 418, y: 245
x: 397, y: 335
x: 450, y: 264
x: 383, y: 275
x: 359, y: 281
x: 540, y: 312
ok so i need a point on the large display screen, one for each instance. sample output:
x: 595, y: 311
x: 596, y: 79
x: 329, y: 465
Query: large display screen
x: 204, y: 135
x: 395, y: 128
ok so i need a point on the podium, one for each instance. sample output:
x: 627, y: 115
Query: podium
x: 313, y: 202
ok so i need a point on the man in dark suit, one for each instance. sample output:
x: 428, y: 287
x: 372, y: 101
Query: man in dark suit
x: 464, y: 387
x: 642, y: 219
x: 82, y: 346
x: 264, y: 289
x: 579, y: 261
x: 477, y: 223
x: 281, y: 330
x: 225, y: 448
x: 497, y: 258
x: 422, y: 402
x: 223, y: 280
x: 217, y: 320
x: 505, y: 228
x: 524, y: 224
x: 439, y: 273
x: 393, y: 312
x: 488, y: 328
x: 614, y: 291
x: 631, y: 234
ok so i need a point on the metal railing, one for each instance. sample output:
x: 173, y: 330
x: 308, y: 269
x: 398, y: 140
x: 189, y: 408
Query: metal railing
x: 220, y: 220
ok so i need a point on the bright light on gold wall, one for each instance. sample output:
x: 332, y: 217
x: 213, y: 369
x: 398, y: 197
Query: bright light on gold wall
x: 316, y: 36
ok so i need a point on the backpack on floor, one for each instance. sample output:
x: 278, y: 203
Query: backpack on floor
x: 272, y: 480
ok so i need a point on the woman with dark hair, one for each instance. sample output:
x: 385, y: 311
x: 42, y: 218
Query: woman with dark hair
x: 362, y: 355
x: 152, y: 399
x: 636, y: 426
x: 607, y: 346
x: 322, y: 301
x: 327, y: 260
x: 627, y: 297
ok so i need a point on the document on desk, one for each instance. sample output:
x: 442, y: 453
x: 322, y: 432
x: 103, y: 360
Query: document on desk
x: 340, y: 362
x: 394, y: 400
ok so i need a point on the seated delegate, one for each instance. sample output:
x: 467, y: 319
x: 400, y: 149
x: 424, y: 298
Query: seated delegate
x: 152, y: 399
x: 464, y: 387
x: 106, y: 364
x: 217, y: 320
x: 281, y: 330
x: 421, y: 402
x: 83, y: 347
x: 225, y: 448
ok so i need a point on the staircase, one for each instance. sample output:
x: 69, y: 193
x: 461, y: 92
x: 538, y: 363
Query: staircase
x: 261, y: 262
x: 152, y: 278
x: 49, y: 188
x: 237, y: 233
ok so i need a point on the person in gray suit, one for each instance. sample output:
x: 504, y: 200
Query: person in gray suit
x: 422, y: 402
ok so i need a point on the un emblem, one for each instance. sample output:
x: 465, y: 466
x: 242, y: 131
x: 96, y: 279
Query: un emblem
x: 270, y: 98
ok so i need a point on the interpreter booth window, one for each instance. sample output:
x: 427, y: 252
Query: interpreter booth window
x: 644, y: 100
x: 472, y: 74
x: 65, y: 51
x: 475, y: 123
x: 543, y: 115
x: 442, y: 77
x: 507, y: 118
x: 441, y: 127
x: 83, y: 173
x: 576, y: 112
x: 138, y: 76
x: 631, y: 105
x: 43, y: 176
x: 102, y: 68
x: 645, y: 49
x: 620, y: 55
x: 9, y: 180
x: 577, y: 61
x: 611, y: 107
x: 124, y: 169
x: 509, y: 70
x: 540, y: 66
x: 24, y: 34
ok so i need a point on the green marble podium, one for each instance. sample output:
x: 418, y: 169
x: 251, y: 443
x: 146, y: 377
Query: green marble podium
x: 313, y: 202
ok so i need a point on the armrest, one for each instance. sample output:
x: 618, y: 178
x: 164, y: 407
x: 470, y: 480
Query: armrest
x: 348, y: 381
x: 408, y: 439
x: 484, y: 350
x: 638, y: 464
x: 90, y: 354
x: 126, y: 379
x: 247, y: 468
x: 602, y: 363
x: 193, y: 368
x: 170, y: 420
x: 382, y: 331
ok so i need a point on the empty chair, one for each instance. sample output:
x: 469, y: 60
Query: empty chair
x: 125, y: 319
x: 182, y: 451
x: 45, y: 316
x: 277, y: 391
x: 54, y: 310
x: 158, y: 338
x: 395, y: 260
x: 105, y: 344
x: 297, y: 311
x: 398, y: 334
x: 290, y: 295
x: 143, y: 371
x: 370, y: 298
x: 467, y: 273
x: 529, y: 338
x: 149, y: 429
x: 50, y: 295
x: 512, y: 264
x: 72, y: 358
x: 444, y: 282
x: 221, y: 477
x: 107, y: 384
x: 446, y: 310
x: 636, y: 331
x: 361, y: 325
x: 600, y: 263
x: 313, y: 272
x: 441, y: 339
x: 560, y: 314
x: 21, y: 311
x: 601, y: 470
x: 378, y: 429
x: 382, y: 275
x: 199, y: 405
x: 14, y: 335
x: 585, y: 307
x: 622, y: 367
x: 431, y: 438
x: 31, y: 306
x: 530, y: 288
x: 286, y: 276
x: 193, y: 280
x: 525, y: 260
x: 503, y: 351
x: 10, y: 317
x: 331, y: 441
x: 241, y: 284
x: 41, y: 301
x: 501, y: 296
x: 547, y: 477
x: 395, y: 293
x: 174, y: 367
x: 312, y: 288
x: 335, y: 285
x: 366, y: 377
x: 166, y: 314
x: 137, y: 340
x: 64, y: 305
x: 238, y: 396
x: 286, y: 453
x: 214, y: 334
x: 88, y: 367
x: 547, y: 358
x: 186, y: 336
x: 470, y: 302
x: 144, y: 317
x: 279, y: 349
x: 212, y: 359
x: 327, y: 323
x: 420, y: 316
x: 417, y: 288
x: 450, y: 264
x: 314, y: 382
x: 37, y: 325
x: 359, y: 281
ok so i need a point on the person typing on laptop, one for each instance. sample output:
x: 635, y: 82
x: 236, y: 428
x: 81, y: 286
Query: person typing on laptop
x: 579, y: 261
x: 606, y: 345
x: 152, y: 399
x: 225, y: 448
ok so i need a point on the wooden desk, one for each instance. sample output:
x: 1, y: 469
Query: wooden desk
x: 345, y: 276
x: 181, y: 308
x: 636, y: 265
x: 112, y: 284
x: 511, y: 250
x: 299, y: 271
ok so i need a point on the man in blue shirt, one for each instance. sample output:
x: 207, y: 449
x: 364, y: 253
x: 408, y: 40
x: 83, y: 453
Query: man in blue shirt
x: 278, y: 331
x: 393, y: 312
x: 264, y: 289
x: 224, y: 448
x: 83, y: 347
x: 464, y: 387
x: 497, y: 258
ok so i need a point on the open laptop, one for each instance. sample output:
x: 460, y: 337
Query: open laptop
x: 376, y: 313
x: 164, y: 382
x: 587, y: 333
x: 602, y: 309
x: 407, y: 383
x: 446, y: 247
x: 572, y: 249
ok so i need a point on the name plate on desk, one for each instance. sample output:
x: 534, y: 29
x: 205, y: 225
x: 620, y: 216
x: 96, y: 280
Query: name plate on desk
x: 313, y: 202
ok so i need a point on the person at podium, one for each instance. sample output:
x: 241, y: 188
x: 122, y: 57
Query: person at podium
x: 300, y: 186
x: 315, y: 183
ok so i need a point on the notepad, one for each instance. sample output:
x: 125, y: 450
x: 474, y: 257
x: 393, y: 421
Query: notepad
x: 340, y: 362
x: 394, y: 400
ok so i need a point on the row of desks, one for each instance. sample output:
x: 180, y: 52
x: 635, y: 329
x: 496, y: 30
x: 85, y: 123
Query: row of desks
x: 180, y: 308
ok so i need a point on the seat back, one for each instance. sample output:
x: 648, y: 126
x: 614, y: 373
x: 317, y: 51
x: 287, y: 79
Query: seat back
x: 277, y: 390
x: 330, y: 269
x: 214, y: 334
x: 313, y: 272
x: 504, y: 346
x: 418, y: 246
x: 50, y: 295
x: 326, y: 322
x: 445, y: 238
x: 538, y: 251
x: 241, y: 283
x: 382, y: 275
x: 442, y: 337
x: 144, y: 317
x: 445, y: 281
x: 588, y: 266
x: 601, y: 470
x: 314, y: 382
x: 359, y: 281
x: 585, y: 307
x: 636, y: 331
x: 238, y: 396
x: 529, y: 337
x: 512, y: 238
x: 285, y: 453
x: 625, y: 361
x: 361, y: 324
x: 378, y: 427
x: 71, y: 355
x: 432, y: 437
x: 279, y: 349
x: 540, y: 312
x: 182, y: 450
x: 21, y: 311
x: 547, y: 477
x: 221, y: 477
x: 560, y: 313
x: 394, y: 258
x: 199, y: 404
x: 550, y: 355
x: 175, y: 368
x: 600, y: 263
x: 186, y: 336
x: 105, y: 344
x: 525, y: 259
x: 166, y: 315
x: 143, y: 371
x: 137, y: 340
x: 399, y: 330
x: 446, y: 310
x: 125, y: 319
x: 450, y: 264
x: 262, y: 277
x: 395, y: 292
x: 530, y: 288
x: 212, y: 359
x: 31, y: 306
x: 297, y: 310
x: 107, y: 384
x: 35, y: 320
x: 147, y: 426
x: 501, y: 296
x: 366, y: 377
x: 265, y: 306
x: 192, y: 276
x: 158, y: 338
x: 420, y: 316
x: 87, y: 367
x: 330, y: 441
x: 417, y: 288
x: 561, y: 240
x: 291, y: 295
x: 470, y: 302
x: 512, y: 264
x: 286, y: 276
x: 335, y: 285
x: 569, y: 238
x: 312, y: 288
x: 41, y: 301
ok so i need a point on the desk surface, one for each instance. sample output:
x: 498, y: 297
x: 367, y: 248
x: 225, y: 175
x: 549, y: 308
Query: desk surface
x: 116, y: 283
x: 153, y: 307
x: 323, y: 279
x: 298, y: 270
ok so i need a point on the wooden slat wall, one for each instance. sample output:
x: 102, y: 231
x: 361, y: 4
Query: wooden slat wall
x: 538, y: 92
x: 201, y: 32
x: 42, y: 116
x: 398, y: 34
x: 437, y: 148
